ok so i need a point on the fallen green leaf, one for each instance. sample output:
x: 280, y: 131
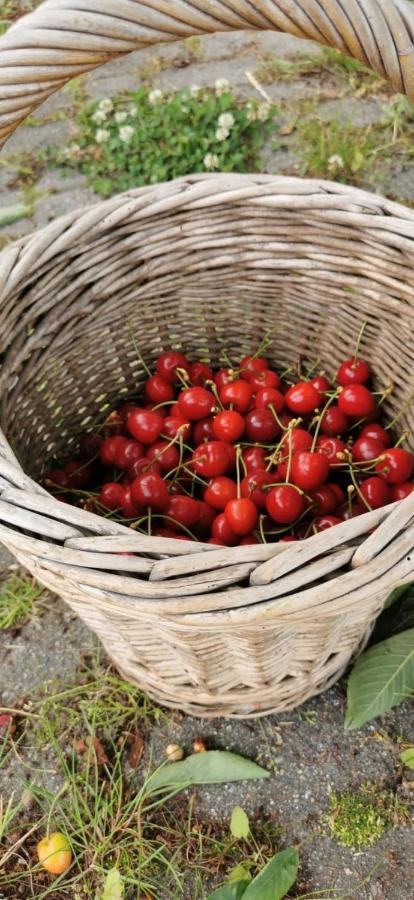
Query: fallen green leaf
x: 407, y: 757
x: 211, y: 767
x: 11, y: 214
x: 239, y: 823
x: 230, y: 891
x: 380, y: 679
x: 113, y: 887
x: 276, y: 879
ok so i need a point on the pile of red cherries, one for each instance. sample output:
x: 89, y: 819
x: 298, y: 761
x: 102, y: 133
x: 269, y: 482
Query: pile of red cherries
x: 240, y: 455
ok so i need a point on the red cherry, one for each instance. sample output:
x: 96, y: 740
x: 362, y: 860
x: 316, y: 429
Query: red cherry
x: 206, y: 516
x: 114, y: 424
x: 90, y: 446
x: 211, y: 459
x: 167, y: 454
x: 396, y: 465
x: 184, y: 510
x: 287, y: 539
x: 128, y: 453
x: 309, y: 469
x: 252, y: 487
x: 366, y: 449
x: 222, y: 377
x: 158, y: 389
x: 142, y: 466
x: 241, y: 515
x: 303, y: 398
x: 356, y: 400
x: 111, y: 448
x: 169, y: 362
x: 324, y: 522
x: 353, y: 371
x: 338, y: 491
x: 296, y: 439
x: 261, y: 426
x: 217, y: 542
x: 376, y: 431
x: 254, y: 458
x: 195, y: 403
x: 111, y: 495
x: 401, y: 491
x: 228, y: 425
x: 265, y: 379
x: 124, y: 410
x: 129, y: 508
x: 170, y: 533
x: 321, y: 384
x: 79, y: 474
x: 173, y: 426
x: 334, y: 421
x: 150, y: 490
x: 145, y: 425
x: 238, y: 393
x: 219, y: 491
x: 357, y: 509
x: 284, y: 504
x: 248, y: 539
x: 326, y: 500
x: 270, y: 397
x: 200, y: 373
x: 55, y: 478
x: 376, y: 491
x: 203, y: 431
x: 333, y: 448
x: 222, y: 533
x: 251, y: 366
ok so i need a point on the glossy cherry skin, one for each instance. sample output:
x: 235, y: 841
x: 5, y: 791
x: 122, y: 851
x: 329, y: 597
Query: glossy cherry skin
x: 284, y: 504
x: 270, y: 398
x: 79, y: 474
x: 238, y: 394
x: 169, y: 362
x: 165, y: 453
x: 111, y: 495
x: 309, y: 470
x: 353, y: 371
x: 219, y: 491
x: 357, y: 509
x: 248, y: 540
x: 376, y: 491
x: 129, y: 508
x: 211, y: 459
x: 321, y: 384
x: 55, y: 478
x: 357, y: 401
x: 396, y: 466
x: 252, y: 486
x: 254, y: 458
x: 206, y: 516
x: 326, y: 500
x: 303, y: 398
x: 241, y: 515
x: 200, y: 373
x: 366, y: 449
x: 111, y: 448
x: 324, y: 522
x: 265, y: 379
x: 228, y: 425
x: 333, y: 448
x: 401, y: 491
x: 224, y: 376
x: 203, y: 430
x: 376, y: 431
x: 260, y: 425
x: 174, y: 426
x: 296, y: 439
x: 222, y: 533
x: 182, y: 510
x: 195, y: 403
x: 251, y: 366
x: 334, y: 421
x: 128, y: 453
x: 145, y: 425
x: 158, y: 389
x: 150, y: 490
x: 143, y: 466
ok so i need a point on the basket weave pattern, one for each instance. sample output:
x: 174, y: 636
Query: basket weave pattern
x: 203, y: 263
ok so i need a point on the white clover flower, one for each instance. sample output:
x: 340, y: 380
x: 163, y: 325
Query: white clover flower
x: 102, y: 135
x: 126, y: 133
x: 335, y: 162
x: 194, y: 90
x: 221, y: 85
x: 120, y: 117
x: 222, y: 134
x: 133, y: 109
x: 71, y: 152
x: 251, y: 113
x: 226, y: 120
x: 106, y: 105
x: 211, y: 161
x: 99, y: 117
x: 155, y: 96
x: 263, y: 112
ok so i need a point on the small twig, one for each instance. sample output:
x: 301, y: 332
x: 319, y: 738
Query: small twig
x: 19, y: 843
x: 253, y: 80
x: 18, y: 712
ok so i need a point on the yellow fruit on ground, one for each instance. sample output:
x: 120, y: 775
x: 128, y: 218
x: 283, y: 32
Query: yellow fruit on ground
x: 54, y: 853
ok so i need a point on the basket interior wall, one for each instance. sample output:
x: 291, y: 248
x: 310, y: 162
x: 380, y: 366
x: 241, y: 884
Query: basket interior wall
x: 205, y: 281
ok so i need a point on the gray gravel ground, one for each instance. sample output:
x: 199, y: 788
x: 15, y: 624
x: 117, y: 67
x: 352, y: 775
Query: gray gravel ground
x: 307, y: 752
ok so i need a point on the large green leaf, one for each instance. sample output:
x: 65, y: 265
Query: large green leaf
x: 211, y: 767
x: 381, y: 678
x: 230, y: 891
x: 398, y: 614
x: 276, y: 879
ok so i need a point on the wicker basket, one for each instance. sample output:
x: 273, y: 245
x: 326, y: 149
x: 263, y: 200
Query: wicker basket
x: 202, y: 262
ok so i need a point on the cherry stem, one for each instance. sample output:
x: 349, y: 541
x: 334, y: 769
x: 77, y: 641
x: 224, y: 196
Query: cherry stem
x: 213, y: 388
x: 357, y: 488
x: 238, y: 456
x: 183, y: 377
x: 137, y: 351
x: 149, y: 521
x: 405, y: 406
x: 404, y: 437
x: 320, y: 416
x: 261, y: 530
x: 359, y: 338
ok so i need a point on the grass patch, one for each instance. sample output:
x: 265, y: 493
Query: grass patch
x: 21, y: 598
x: 350, y: 73
x: 358, y: 820
x: 335, y: 149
